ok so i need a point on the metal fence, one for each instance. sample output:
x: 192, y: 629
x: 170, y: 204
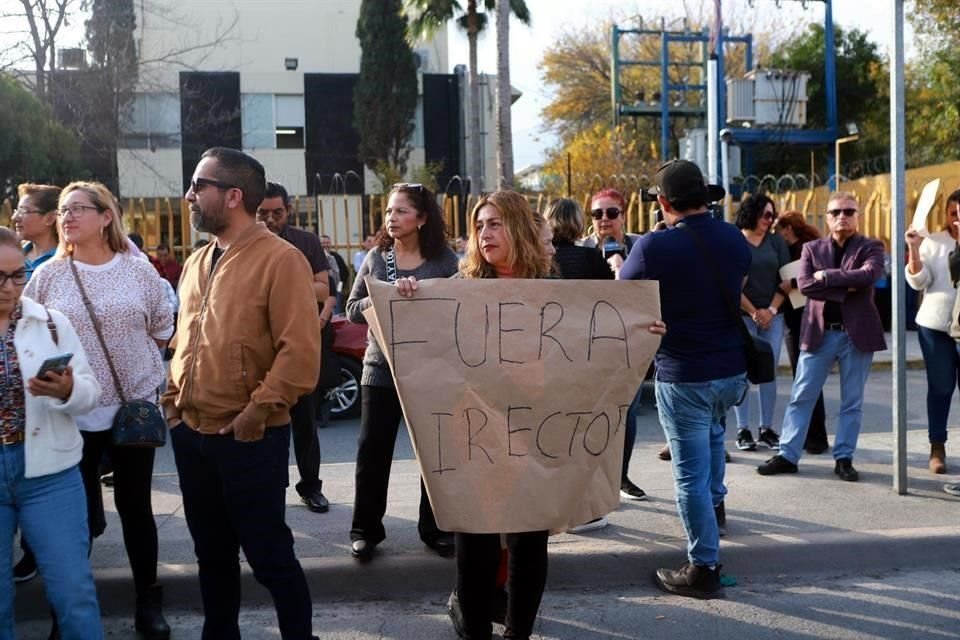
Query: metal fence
x: 347, y: 219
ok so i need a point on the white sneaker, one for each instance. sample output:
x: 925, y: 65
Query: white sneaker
x: 593, y: 525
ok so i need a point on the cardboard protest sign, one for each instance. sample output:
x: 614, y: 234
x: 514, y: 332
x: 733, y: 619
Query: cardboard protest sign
x: 516, y: 393
x: 924, y: 204
x: 788, y: 272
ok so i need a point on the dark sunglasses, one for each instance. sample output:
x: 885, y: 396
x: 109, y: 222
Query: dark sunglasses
x: 196, y: 183
x: 413, y: 186
x: 769, y: 215
x: 612, y: 213
x: 847, y: 212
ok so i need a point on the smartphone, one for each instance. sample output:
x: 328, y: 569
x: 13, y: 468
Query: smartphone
x: 56, y: 363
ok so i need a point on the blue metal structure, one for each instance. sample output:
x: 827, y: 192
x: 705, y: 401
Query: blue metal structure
x: 743, y: 136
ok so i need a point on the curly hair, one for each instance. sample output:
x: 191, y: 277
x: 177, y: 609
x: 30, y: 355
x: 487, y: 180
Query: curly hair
x: 525, y: 253
x: 432, y: 234
x: 751, y: 208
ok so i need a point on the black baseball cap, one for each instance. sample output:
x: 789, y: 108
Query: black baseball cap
x: 683, y: 180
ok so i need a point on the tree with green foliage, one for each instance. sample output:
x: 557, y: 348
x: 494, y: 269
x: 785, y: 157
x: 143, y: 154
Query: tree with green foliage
x: 933, y: 93
x: 385, y: 97
x: 862, y: 80
x: 33, y: 146
x: 113, y: 53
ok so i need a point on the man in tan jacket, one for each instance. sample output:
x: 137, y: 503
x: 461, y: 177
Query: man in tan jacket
x: 247, y: 346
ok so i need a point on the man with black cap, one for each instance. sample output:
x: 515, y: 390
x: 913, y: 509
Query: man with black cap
x: 701, y: 364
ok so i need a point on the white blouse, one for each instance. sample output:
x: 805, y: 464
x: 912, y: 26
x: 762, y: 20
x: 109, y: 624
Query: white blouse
x: 131, y: 305
x: 934, y: 280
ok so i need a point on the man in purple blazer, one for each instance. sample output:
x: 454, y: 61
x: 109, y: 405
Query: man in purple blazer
x: 840, y: 324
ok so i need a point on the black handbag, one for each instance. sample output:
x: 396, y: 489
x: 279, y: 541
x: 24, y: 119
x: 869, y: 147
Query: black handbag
x: 760, y: 365
x: 138, y: 423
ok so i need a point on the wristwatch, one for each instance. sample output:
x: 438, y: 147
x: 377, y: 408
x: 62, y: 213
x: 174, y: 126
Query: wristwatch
x: 772, y: 309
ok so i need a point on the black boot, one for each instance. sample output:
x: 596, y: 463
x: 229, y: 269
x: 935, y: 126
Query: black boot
x: 149, y: 619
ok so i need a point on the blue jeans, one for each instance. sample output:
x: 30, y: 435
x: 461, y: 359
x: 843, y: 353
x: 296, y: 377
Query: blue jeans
x: 52, y: 513
x: 234, y: 496
x: 812, y: 371
x: 768, y: 390
x: 692, y: 417
x: 941, y: 356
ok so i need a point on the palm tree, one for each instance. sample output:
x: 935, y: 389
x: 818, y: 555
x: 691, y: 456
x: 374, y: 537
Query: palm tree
x: 426, y: 17
x: 504, y: 90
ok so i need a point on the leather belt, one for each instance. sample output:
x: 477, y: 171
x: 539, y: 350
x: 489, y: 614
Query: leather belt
x: 13, y: 438
x: 834, y: 326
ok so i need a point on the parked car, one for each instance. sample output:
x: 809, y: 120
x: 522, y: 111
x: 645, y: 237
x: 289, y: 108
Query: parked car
x: 349, y: 343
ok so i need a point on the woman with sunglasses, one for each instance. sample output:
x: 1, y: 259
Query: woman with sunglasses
x: 127, y: 297
x: 40, y: 449
x: 760, y: 304
x: 411, y: 245
x: 928, y: 271
x: 608, y: 208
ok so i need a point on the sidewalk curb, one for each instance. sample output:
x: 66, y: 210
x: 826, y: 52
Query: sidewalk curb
x: 600, y: 562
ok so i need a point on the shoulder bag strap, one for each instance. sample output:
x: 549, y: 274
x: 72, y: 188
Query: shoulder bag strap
x: 52, y: 327
x: 391, y: 259
x: 96, y: 328
x: 705, y: 251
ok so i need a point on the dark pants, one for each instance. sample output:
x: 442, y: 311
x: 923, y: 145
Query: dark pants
x: 941, y: 358
x: 379, y: 422
x: 132, y: 476
x: 817, y: 433
x: 306, y: 444
x: 233, y: 498
x: 478, y: 558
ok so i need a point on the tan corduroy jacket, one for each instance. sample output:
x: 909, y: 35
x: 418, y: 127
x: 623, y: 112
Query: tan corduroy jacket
x: 248, y: 334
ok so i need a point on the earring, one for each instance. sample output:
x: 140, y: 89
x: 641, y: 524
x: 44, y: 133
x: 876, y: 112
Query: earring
x: 419, y: 226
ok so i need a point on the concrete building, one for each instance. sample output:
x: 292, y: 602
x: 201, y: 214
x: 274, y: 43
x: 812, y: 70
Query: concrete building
x: 276, y: 79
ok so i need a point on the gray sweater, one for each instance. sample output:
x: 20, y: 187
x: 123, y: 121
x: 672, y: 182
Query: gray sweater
x: 376, y: 371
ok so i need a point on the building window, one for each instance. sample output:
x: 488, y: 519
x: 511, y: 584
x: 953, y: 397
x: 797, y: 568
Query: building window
x: 256, y: 120
x: 151, y: 121
x: 290, y: 120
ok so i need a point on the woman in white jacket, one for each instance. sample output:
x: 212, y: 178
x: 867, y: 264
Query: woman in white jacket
x: 40, y: 448
x: 928, y: 271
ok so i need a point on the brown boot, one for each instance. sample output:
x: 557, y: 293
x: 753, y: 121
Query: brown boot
x: 938, y: 458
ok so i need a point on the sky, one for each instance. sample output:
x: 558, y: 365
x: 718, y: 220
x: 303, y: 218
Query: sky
x: 550, y: 17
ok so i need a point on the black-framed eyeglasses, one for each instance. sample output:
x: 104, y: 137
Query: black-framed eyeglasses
x: 612, y: 213
x: 77, y: 211
x: 413, y: 186
x: 19, y: 277
x: 847, y: 211
x: 197, y: 183
x: 23, y: 211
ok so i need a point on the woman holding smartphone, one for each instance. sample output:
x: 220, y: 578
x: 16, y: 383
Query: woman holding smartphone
x: 132, y: 313
x: 40, y: 451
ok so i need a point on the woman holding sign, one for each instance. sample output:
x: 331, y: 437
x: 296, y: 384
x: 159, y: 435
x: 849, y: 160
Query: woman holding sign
x: 928, y: 271
x: 410, y: 246
x: 505, y: 242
